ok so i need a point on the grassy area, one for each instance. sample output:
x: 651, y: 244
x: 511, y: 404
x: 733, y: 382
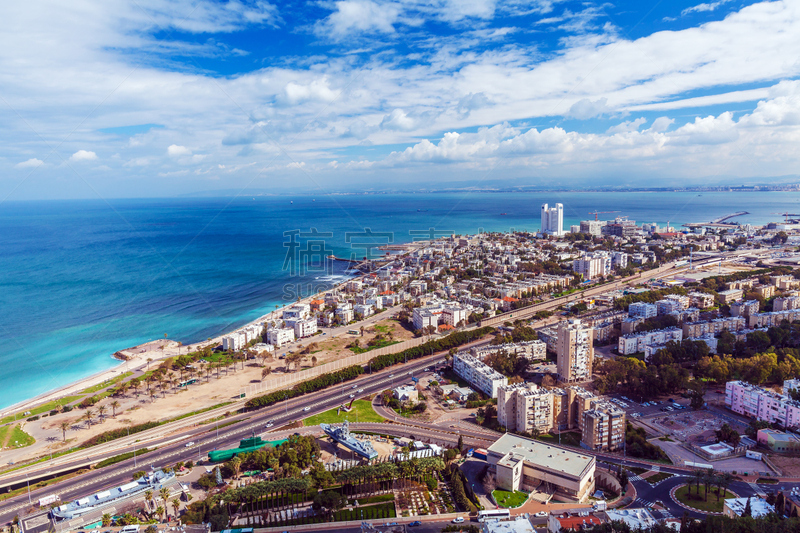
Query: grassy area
x: 362, y: 411
x: 107, y: 383
x: 509, y: 500
x: 44, y: 408
x: 661, y: 476
x: 636, y: 470
x: 567, y: 439
x: 767, y: 480
x: 665, y: 439
x: 385, y: 510
x: 699, y: 502
x: 20, y: 437
x: 380, y: 344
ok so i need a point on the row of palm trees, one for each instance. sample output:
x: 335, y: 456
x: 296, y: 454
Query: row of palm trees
x: 149, y: 496
x: 711, y: 479
x: 89, y: 415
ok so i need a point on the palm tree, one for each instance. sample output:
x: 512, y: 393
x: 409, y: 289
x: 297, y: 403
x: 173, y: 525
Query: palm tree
x: 101, y: 411
x: 176, y: 505
x: 160, y: 512
x: 698, y: 476
x: 64, y: 426
x: 724, y: 482
x: 148, y: 497
x: 88, y: 416
x: 236, y: 466
x: 114, y: 405
x: 164, y: 493
x: 106, y: 520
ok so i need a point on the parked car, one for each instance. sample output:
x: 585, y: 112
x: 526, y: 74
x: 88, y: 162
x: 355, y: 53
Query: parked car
x: 415, y: 523
x: 541, y: 513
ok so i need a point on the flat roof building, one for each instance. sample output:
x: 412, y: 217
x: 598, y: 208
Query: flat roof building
x: 481, y: 376
x: 526, y: 464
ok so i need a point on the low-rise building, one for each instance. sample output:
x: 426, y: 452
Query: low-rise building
x: 701, y: 300
x: 304, y: 328
x: 730, y: 295
x: 778, y: 441
x: 406, y: 393
x: 642, y: 310
x: 574, y: 520
x: 735, y: 507
x: 526, y: 464
x: 638, y: 519
x: 637, y: 342
x: 280, y: 336
x: 745, y: 308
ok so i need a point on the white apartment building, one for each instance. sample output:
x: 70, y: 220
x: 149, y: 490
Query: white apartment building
x: 701, y: 300
x: 637, y: 342
x: 642, y: 310
x: 422, y: 317
x: 714, y: 327
x: 525, y: 407
x: 454, y: 314
x: 234, y: 342
x: 533, y: 350
x: 790, y: 384
x: 364, y: 310
x: 668, y: 307
x: 305, y: 328
x: 575, y: 352
x: 479, y: 375
x: 745, y: 308
x: 301, y: 311
x: 619, y: 260
x: 590, y: 267
x: 774, y: 318
x: 553, y: 220
x: 280, y: 336
x: 603, y: 427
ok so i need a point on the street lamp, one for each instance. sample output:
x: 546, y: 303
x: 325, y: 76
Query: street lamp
x: 29, y: 488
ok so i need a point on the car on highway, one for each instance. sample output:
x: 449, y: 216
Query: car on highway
x: 360, y: 390
x: 541, y: 513
x: 269, y: 425
x: 189, y: 444
x: 391, y: 524
x: 408, y: 373
x: 355, y: 386
x: 352, y: 395
x: 458, y: 519
x: 307, y: 408
x: 415, y: 523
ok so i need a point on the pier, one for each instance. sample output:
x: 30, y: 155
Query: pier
x: 717, y: 222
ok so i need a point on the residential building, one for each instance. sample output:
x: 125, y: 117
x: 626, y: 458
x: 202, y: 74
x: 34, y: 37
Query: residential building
x: 765, y: 291
x: 642, y: 310
x: 305, y: 328
x: 735, y: 507
x: 790, y: 384
x: 428, y: 316
x: 592, y: 227
x: 785, y: 304
x: 301, y: 311
x: 730, y: 295
x: 574, y: 352
x: 603, y: 427
x: 701, y: 300
x: 454, y: 314
x: 778, y: 441
x: 553, y: 220
x: 525, y: 407
x: 636, y: 342
x: 518, y: 524
x: 774, y: 318
x: 564, y: 520
x: 526, y: 464
x: 533, y: 350
x: 234, y: 342
x: 638, y: 519
x: 668, y: 307
x: 619, y: 260
x: 280, y: 336
x: 762, y: 404
x: 745, y: 308
x: 481, y: 376
x: 714, y: 327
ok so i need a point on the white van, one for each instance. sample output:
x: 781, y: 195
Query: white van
x: 130, y: 529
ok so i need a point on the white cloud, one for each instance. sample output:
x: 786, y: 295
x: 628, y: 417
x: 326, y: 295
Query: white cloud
x: 175, y: 150
x: 359, y: 16
x: 627, y: 126
x: 699, y: 8
x: 316, y: 90
x: 83, y: 155
x: 30, y: 163
x: 661, y: 124
x: 586, y: 109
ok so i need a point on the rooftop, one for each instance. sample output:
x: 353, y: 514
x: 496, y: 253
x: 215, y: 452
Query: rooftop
x: 543, y: 455
x: 758, y: 507
x: 518, y: 525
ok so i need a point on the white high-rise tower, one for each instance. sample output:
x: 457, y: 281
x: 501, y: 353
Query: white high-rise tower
x: 553, y: 219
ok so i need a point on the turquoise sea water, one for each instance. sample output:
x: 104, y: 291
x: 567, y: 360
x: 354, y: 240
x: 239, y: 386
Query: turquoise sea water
x: 80, y: 280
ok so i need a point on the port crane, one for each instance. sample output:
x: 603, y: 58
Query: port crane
x: 786, y: 216
x: 595, y: 213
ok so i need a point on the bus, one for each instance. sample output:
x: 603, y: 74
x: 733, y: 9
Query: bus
x: 494, y: 514
x: 187, y: 382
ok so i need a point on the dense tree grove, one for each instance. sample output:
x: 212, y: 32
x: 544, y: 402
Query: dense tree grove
x: 637, y: 445
x: 312, y: 385
x: 454, y: 340
x: 632, y: 376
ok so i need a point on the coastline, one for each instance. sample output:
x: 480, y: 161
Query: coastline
x: 136, y: 357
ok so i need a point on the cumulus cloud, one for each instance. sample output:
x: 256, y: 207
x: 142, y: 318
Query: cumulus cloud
x: 359, y: 16
x: 398, y: 120
x: 30, y: 163
x: 316, y: 90
x: 83, y: 155
x: 176, y: 150
x: 628, y: 125
x: 699, y: 8
x: 662, y: 124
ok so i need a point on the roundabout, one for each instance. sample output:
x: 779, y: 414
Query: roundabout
x: 692, y: 498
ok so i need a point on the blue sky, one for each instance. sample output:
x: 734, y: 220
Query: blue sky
x: 160, y: 97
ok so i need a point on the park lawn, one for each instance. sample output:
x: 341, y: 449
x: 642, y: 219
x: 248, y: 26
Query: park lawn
x: 362, y: 412
x: 660, y: 476
x: 509, y: 500
x: 107, y: 383
x: 44, y: 408
x: 9, y: 435
x: 710, y: 506
x: 571, y: 438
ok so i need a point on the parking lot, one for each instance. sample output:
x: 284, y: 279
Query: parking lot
x: 650, y: 408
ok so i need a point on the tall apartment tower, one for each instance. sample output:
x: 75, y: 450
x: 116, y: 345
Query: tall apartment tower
x: 574, y: 351
x: 553, y: 219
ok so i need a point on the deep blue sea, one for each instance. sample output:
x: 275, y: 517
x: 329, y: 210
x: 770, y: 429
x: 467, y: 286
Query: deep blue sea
x: 80, y: 280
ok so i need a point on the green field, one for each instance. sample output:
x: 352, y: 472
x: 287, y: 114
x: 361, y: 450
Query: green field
x: 44, y: 408
x: 107, y: 383
x: 509, y: 500
x: 9, y: 435
x: 698, y: 502
x: 362, y: 412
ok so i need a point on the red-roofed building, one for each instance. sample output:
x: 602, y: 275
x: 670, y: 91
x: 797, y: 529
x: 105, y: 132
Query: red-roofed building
x: 572, y: 520
x: 445, y: 327
x: 316, y: 305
